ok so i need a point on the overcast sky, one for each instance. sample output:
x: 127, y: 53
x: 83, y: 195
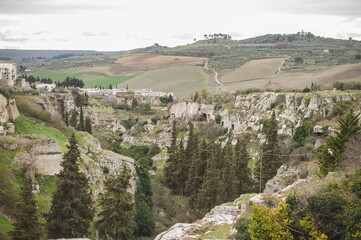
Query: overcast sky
x: 127, y: 24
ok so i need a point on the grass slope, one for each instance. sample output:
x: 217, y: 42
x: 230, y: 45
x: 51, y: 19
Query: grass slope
x: 91, y: 79
x: 182, y: 80
x: 25, y: 125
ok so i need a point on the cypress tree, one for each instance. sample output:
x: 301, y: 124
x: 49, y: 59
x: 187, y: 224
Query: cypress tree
x: 270, y: 159
x: 117, y: 208
x: 81, y: 120
x: 71, y: 211
x: 189, y: 152
x: 194, y: 180
x: 88, y: 125
x: 73, y: 121
x: 144, y: 217
x: 197, y: 170
x: 180, y: 173
x: 171, y: 163
x: 229, y: 182
x: 209, y: 192
x: 66, y: 119
x: 26, y: 226
x: 243, y: 173
x: 331, y: 152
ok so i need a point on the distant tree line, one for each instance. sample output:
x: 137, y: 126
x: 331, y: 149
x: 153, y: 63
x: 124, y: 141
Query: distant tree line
x: 71, y: 82
x: 33, y: 79
x: 217, y: 35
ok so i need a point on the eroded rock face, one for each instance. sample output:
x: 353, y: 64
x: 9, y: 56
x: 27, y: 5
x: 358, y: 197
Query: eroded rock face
x: 219, y: 215
x: 8, y: 110
x: 45, y: 156
x: 192, y: 110
x: 250, y: 111
x: 285, y: 175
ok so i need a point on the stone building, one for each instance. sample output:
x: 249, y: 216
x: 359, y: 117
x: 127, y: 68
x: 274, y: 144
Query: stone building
x: 7, y: 72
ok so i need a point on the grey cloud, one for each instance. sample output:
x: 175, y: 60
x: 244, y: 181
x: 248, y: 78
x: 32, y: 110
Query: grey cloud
x: 6, y: 37
x: 184, y: 36
x: 93, y: 34
x: 47, y: 7
x: 354, y: 35
x: 350, y: 9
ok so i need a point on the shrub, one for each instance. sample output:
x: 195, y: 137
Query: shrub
x: 242, y: 225
x: 303, y: 131
x: 218, y: 119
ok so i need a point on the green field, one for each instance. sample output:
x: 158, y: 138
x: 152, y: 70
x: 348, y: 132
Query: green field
x: 182, y: 80
x: 91, y: 79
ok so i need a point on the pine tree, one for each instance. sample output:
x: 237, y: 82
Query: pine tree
x: 71, y: 211
x: 270, y: 160
x: 81, y: 120
x: 26, y: 226
x: 171, y: 161
x: 331, y: 152
x: 110, y: 86
x: 117, y: 208
x: 88, y: 125
x: 73, y: 121
x: 242, y: 159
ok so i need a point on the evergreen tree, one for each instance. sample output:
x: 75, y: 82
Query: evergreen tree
x: 331, y: 152
x: 81, y: 120
x: 270, y: 160
x: 66, y: 119
x: 110, y: 86
x: 181, y: 170
x: 71, y: 210
x: 229, y: 183
x: 88, y: 125
x: 26, y: 226
x: 197, y: 170
x: 193, y: 184
x: 209, y: 192
x: 189, y: 153
x: 117, y: 208
x: 243, y: 173
x: 62, y: 109
x: 171, y: 163
x: 144, y: 217
x: 73, y: 121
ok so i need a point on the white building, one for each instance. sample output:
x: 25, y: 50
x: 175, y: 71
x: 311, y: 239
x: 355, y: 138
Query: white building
x: 7, y: 72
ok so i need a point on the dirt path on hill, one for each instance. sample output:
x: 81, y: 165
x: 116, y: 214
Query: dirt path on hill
x: 213, y: 78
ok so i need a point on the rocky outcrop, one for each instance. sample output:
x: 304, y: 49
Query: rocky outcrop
x: 225, y: 214
x: 250, y: 111
x: 45, y: 157
x: 192, y: 110
x: 8, y: 110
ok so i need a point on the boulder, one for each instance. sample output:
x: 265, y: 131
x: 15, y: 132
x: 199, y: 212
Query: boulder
x: 317, y: 130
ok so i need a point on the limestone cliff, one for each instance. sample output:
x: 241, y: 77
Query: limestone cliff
x: 45, y: 156
x: 248, y: 112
